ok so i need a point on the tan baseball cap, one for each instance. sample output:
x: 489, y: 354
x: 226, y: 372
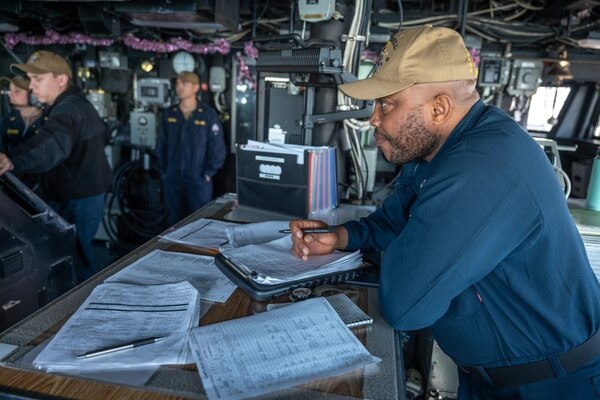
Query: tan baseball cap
x: 42, y: 62
x: 20, y: 81
x: 187, y: 76
x: 416, y: 55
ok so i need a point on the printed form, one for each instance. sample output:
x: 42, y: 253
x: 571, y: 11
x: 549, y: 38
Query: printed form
x: 115, y: 314
x: 272, y: 263
x: 209, y: 233
x: 167, y: 267
x: 254, y: 355
x: 259, y: 232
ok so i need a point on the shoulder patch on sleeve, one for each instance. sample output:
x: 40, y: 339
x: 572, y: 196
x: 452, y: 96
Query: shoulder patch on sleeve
x: 215, y: 129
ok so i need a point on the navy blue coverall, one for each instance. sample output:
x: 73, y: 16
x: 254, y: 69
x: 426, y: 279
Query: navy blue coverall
x: 479, y: 244
x: 13, y: 132
x: 190, y: 152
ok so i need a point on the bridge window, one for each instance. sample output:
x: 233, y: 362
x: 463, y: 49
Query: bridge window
x: 545, y: 107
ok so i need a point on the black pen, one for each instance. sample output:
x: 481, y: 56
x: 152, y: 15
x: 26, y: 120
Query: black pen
x: 137, y: 343
x: 329, y: 229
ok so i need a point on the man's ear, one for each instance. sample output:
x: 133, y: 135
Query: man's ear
x: 442, y: 106
x: 63, y: 80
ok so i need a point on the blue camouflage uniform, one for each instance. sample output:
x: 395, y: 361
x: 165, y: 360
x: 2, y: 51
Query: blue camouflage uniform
x: 479, y: 244
x: 190, y: 152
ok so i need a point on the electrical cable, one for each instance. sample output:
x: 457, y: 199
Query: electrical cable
x: 565, y: 179
x: 145, y: 222
x: 400, y: 15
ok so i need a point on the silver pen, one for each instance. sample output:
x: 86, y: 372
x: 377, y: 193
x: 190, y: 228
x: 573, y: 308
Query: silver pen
x: 329, y: 229
x: 137, y: 343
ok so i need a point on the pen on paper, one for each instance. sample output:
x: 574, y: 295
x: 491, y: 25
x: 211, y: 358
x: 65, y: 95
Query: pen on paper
x: 137, y: 343
x: 330, y: 229
x: 196, y: 230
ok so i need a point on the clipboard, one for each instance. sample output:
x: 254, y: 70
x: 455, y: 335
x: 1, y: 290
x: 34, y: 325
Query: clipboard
x: 259, y: 291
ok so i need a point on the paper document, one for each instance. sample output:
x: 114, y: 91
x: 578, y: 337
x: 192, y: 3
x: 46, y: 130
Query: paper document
x: 592, y: 247
x: 260, y: 232
x: 587, y: 221
x: 168, y: 267
x: 250, y: 356
x: 204, y: 232
x: 348, y: 311
x: 115, y: 314
x: 272, y: 263
x: 253, y: 145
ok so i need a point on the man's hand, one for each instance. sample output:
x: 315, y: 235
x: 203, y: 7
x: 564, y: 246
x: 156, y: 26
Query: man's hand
x: 5, y: 164
x: 304, y: 245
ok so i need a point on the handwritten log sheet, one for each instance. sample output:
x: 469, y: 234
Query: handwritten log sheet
x: 271, y: 351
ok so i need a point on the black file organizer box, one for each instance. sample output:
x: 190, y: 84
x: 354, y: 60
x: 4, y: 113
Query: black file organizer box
x: 261, y: 292
x: 272, y: 181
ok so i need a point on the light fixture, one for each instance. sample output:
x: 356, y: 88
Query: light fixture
x: 147, y: 66
x: 590, y: 42
x: 560, y: 69
x: 84, y: 73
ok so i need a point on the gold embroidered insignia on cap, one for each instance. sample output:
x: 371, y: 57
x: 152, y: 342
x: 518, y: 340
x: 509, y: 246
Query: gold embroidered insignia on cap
x: 383, y: 57
x: 34, y: 57
x: 471, y: 63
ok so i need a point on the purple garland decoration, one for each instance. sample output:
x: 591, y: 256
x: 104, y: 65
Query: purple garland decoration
x: 52, y: 37
x: 174, y: 44
x: 475, y: 55
x: 250, y: 50
x: 243, y: 69
x: 219, y: 46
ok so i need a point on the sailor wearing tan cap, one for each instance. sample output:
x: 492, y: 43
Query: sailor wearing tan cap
x: 23, y: 120
x: 21, y: 123
x: 68, y: 148
x: 191, y: 150
x: 478, y: 242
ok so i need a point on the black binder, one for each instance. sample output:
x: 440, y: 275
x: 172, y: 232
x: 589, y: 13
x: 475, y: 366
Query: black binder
x: 272, y: 181
x: 260, y: 291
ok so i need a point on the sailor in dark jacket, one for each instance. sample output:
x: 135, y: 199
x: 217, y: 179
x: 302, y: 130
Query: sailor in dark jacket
x: 23, y: 120
x: 21, y: 123
x: 68, y: 148
x: 191, y: 150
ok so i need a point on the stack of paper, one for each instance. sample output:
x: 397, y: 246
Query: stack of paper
x: 250, y: 356
x: 116, y: 314
x: 204, y: 232
x: 272, y: 263
x: 160, y: 266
